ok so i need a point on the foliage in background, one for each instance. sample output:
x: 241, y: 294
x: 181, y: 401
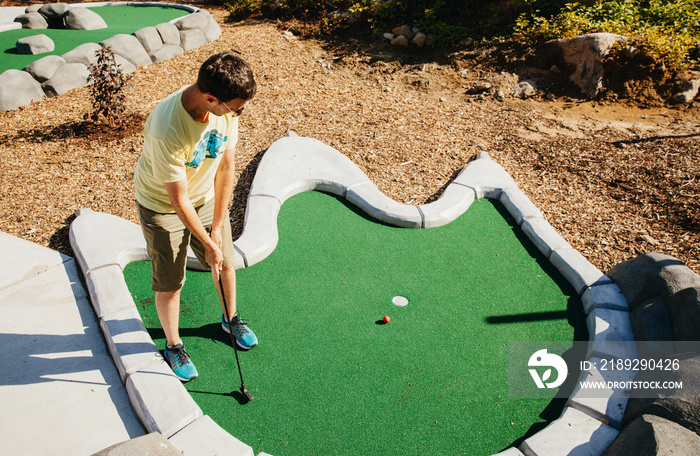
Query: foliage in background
x: 106, y: 86
x: 668, y: 31
x: 448, y: 21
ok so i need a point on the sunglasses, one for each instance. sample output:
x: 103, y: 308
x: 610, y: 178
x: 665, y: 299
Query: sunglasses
x: 235, y: 113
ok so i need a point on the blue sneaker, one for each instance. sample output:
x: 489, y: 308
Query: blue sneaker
x: 245, y: 338
x: 180, y: 362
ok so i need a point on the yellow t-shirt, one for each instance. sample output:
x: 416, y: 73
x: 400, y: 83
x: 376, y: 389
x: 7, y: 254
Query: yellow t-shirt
x: 177, y: 147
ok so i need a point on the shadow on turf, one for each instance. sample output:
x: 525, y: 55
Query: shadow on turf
x: 236, y: 394
x: 210, y: 331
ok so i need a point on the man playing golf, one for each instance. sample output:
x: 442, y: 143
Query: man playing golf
x: 184, y: 180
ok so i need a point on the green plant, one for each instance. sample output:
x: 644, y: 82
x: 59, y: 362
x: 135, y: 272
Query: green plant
x: 106, y: 84
x: 668, y: 31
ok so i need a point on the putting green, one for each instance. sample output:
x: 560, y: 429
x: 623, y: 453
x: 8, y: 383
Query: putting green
x: 328, y: 378
x: 119, y: 19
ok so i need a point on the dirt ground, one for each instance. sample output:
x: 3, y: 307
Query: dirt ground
x: 616, y: 179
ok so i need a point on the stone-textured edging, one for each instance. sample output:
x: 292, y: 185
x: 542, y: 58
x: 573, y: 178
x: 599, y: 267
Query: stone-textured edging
x: 54, y: 75
x: 105, y: 244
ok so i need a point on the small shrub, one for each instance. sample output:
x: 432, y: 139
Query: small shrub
x: 107, y: 84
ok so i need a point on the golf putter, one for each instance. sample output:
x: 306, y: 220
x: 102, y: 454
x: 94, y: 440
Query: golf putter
x: 233, y: 340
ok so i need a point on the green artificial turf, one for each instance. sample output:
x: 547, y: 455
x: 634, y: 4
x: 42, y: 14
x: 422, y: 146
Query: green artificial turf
x: 329, y: 379
x: 119, y: 19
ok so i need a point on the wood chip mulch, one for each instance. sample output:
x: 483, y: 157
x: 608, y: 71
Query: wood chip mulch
x: 615, y: 180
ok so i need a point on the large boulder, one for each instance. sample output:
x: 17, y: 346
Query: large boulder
x: 78, y: 18
x: 124, y: 65
x: 202, y: 21
x: 650, y: 275
x: 33, y: 8
x: 54, y: 13
x: 169, y: 33
x: 166, y: 52
x: 36, y: 44
x: 32, y: 21
x: 653, y: 435
x: 129, y: 47
x: 196, y: 20
x: 69, y: 76
x: 85, y: 54
x: 684, y: 310
x: 652, y: 322
x: 212, y: 31
x: 150, y: 39
x: 18, y: 88
x: 192, y: 39
x: 584, y: 55
x: 44, y: 68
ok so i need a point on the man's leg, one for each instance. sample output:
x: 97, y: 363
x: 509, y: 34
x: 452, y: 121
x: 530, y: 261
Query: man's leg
x: 245, y: 338
x: 168, y: 307
x: 228, y: 277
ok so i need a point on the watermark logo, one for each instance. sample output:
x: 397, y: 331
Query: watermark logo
x: 551, y: 361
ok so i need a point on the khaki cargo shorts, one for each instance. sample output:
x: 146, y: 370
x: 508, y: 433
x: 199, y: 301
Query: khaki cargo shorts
x: 167, y: 239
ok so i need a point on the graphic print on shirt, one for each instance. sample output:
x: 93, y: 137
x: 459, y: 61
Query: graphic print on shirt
x: 209, y: 147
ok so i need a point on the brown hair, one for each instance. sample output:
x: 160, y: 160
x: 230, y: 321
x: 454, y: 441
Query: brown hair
x: 227, y: 76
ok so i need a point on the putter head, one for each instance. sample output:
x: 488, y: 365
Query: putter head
x: 246, y: 393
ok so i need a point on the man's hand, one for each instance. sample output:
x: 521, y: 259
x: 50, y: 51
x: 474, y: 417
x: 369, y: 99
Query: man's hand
x: 177, y: 191
x: 214, y: 256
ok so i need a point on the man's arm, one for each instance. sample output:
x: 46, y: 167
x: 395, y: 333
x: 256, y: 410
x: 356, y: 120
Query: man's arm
x: 223, y: 189
x: 179, y: 199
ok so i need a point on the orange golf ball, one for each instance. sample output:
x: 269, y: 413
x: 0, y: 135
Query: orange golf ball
x: 386, y: 319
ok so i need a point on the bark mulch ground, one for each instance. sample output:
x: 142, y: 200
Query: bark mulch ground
x: 615, y: 179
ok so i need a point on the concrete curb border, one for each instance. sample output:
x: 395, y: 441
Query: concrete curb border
x: 105, y: 244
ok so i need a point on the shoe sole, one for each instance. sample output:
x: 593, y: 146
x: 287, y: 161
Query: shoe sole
x: 185, y: 380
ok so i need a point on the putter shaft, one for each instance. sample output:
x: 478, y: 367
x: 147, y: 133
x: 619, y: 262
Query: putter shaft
x: 233, y: 339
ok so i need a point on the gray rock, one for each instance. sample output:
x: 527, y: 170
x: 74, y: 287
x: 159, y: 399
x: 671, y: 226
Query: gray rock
x: 688, y: 91
x: 419, y: 39
x: 32, y: 21
x: 400, y: 40
x: 69, y: 76
x: 198, y: 21
x: 524, y: 89
x: 651, y: 275
x: 79, y: 18
x: 191, y: 39
x: 33, y: 8
x: 652, y: 322
x: 680, y: 405
x: 685, y: 412
x: 85, y: 54
x: 169, y: 33
x: 153, y: 444
x: 212, y: 31
x: 404, y: 30
x: 653, y: 435
x: 150, y: 39
x: 37, y: 44
x: 54, y: 12
x: 45, y: 67
x: 18, y: 88
x: 586, y: 53
x: 684, y: 309
x: 129, y: 47
x: 166, y: 52
x: 124, y: 65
